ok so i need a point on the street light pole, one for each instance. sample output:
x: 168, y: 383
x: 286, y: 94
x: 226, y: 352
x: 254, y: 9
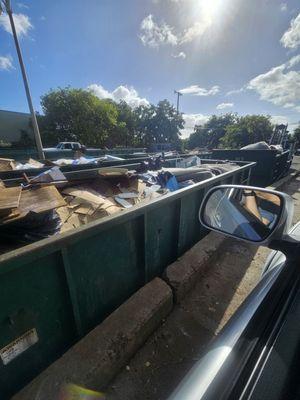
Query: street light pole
x: 178, y: 95
x: 36, y: 131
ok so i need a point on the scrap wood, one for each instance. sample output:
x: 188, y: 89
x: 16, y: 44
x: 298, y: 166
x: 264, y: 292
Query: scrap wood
x: 64, y: 213
x: 105, y: 187
x: 135, y: 185
x: 84, y: 194
x: 85, y: 210
x: 53, y: 174
x: 42, y: 199
x: 7, y: 164
x: 9, y: 198
x: 109, y: 172
x: 35, y: 163
x: 38, y: 201
x: 110, y: 206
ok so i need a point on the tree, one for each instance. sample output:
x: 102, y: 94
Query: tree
x: 125, y: 134
x: 159, y: 124
x: 297, y: 135
x: 210, y: 134
x: 246, y: 130
x: 77, y: 114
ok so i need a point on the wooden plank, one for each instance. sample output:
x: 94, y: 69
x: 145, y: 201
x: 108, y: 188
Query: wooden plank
x: 9, y: 198
x: 7, y: 164
x: 87, y: 195
x: 39, y: 200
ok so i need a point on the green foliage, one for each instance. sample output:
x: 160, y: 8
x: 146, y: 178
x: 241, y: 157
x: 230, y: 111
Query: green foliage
x: 296, y: 135
x: 77, y: 113
x: 246, y: 130
x: 231, y: 131
x: 158, y: 124
x: 124, y: 133
x: 210, y: 134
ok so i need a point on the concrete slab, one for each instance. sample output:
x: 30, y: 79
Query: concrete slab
x: 95, y: 359
x: 184, y: 272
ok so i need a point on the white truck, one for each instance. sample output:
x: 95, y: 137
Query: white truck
x: 65, y: 146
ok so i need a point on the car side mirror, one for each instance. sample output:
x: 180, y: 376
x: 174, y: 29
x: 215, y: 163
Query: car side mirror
x: 248, y: 213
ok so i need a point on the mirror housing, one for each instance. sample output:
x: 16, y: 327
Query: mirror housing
x: 248, y: 213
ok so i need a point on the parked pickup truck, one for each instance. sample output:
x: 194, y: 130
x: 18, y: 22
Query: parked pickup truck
x: 72, y: 146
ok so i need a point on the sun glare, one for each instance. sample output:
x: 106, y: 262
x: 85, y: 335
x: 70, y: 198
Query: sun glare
x: 211, y: 7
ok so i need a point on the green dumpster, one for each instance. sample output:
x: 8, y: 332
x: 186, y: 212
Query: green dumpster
x: 270, y: 165
x: 56, y: 290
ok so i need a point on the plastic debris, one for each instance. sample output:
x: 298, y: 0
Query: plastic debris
x: 123, y: 202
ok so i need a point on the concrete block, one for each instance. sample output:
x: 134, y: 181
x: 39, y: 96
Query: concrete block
x: 183, y: 273
x: 95, y: 359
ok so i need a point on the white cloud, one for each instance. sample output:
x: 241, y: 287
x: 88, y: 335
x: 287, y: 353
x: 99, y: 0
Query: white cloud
x: 196, y: 90
x: 125, y: 93
x: 6, y: 63
x: 293, y: 61
x: 179, y: 55
x: 279, y: 86
x: 191, y: 120
x: 291, y: 38
x: 22, y: 5
x: 279, y: 119
x: 22, y: 23
x: 154, y: 35
x: 283, y: 7
x: 222, y: 106
x: 194, y: 31
x: 235, y: 91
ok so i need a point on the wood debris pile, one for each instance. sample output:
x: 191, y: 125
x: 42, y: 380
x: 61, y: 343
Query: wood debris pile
x: 100, y: 198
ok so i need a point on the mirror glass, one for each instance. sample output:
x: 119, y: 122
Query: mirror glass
x: 244, y: 213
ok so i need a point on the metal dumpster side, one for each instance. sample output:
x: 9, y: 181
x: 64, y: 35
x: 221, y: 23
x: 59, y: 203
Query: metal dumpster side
x: 58, y: 289
x: 24, y: 154
x: 270, y: 165
x: 69, y: 168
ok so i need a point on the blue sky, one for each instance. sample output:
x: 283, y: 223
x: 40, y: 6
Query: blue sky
x: 224, y: 55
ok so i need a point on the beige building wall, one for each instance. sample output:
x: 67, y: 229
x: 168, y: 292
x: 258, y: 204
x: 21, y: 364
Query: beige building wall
x: 11, y: 125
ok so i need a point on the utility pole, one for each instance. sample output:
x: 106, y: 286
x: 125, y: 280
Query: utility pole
x: 38, y: 141
x: 178, y: 95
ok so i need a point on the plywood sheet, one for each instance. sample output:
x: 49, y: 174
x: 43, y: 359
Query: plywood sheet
x: 84, y: 194
x: 9, y: 198
x: 39, y: 200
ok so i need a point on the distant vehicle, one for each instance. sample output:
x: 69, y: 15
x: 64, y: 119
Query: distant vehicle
x: 65, y: 146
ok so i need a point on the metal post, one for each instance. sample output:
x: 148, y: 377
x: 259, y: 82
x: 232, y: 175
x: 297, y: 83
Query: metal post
x: 178, y: 95
x: 36, y: 131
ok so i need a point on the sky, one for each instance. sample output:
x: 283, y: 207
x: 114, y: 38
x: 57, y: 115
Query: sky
x: 223, y: 55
